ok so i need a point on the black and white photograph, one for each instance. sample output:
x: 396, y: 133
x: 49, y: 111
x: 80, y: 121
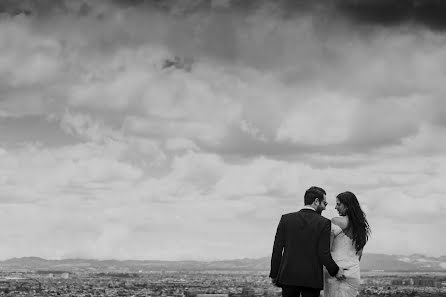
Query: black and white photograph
x: 223, y: 148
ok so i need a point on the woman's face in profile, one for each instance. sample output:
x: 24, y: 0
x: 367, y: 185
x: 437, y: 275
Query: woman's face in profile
x: 341, y: 208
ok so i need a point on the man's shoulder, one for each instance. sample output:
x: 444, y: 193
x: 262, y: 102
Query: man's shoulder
x: 290, y: 214
x: 322, y: 219
x: 306, y: 213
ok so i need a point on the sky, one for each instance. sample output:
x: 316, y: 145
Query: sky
x: 112, y: 149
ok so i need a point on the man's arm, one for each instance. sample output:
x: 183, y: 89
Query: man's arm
x: 324, y: 250
x: 279, y: 243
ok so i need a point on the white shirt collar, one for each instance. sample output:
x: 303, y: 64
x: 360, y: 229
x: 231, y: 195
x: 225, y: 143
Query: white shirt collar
x: 308, y: 207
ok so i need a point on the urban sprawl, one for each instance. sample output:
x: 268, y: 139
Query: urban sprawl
x: 198, y: 284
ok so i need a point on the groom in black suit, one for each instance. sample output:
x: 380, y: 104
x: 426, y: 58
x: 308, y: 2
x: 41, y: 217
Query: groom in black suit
x: 302, y: 247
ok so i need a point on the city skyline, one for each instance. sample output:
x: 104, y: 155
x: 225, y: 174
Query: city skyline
x: 134, y: 130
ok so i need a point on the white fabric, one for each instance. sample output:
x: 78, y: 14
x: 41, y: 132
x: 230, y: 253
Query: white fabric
x: 344, y: 254
x: 308, y: 207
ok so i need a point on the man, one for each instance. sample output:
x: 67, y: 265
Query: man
x: 302, y: 247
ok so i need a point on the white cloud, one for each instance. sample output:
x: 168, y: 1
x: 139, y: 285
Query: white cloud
x: 43, y: 174
x: 200, y: 192
x: 85, y: 126
x: 27, y: 58
x: 391, y: 237
x: 180, y: 144
x: 253, y: 131
x: 227, y: 146
x: 319, y: 120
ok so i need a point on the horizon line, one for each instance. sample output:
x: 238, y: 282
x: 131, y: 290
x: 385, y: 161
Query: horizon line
x: 192, y: 260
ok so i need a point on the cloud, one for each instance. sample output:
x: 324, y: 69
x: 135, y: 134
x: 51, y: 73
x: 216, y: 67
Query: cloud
x: 95, y: 130
x: 123, y: 73
x: 27, y: 58
x: 39, y: 174
x: 310, y: 122
x: 180, y: 144
x: 199, y: 192
x: 410, y: 239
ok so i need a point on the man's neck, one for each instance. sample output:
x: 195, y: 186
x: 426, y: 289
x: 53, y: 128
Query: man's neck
x: 309, y: 207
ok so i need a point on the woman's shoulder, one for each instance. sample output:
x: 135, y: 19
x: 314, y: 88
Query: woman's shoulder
x: 342, y: 222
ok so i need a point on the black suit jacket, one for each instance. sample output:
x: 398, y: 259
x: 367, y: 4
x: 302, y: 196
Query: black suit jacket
x: 301, y: 248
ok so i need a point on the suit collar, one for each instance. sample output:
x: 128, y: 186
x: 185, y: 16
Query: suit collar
x: 309, y: 211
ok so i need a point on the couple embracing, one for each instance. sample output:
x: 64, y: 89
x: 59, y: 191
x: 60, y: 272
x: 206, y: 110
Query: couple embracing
x: 306, y: 241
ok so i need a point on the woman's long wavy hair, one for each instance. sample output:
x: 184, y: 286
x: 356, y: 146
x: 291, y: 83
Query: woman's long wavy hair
x: 357, y: 219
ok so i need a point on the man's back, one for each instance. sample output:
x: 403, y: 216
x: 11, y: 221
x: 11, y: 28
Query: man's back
x: 304, y: 239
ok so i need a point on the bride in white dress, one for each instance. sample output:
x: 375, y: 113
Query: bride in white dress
x: 349, y: 234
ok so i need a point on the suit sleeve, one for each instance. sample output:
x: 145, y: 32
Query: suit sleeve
x: 324, y: 250
x: 279, y: 244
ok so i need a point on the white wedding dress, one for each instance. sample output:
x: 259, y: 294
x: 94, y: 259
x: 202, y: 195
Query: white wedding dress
x: 344, y: 254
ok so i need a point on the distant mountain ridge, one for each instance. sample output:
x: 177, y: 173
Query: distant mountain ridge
x: 369, y: 262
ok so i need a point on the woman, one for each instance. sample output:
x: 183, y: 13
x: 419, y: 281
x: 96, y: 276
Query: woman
x: 349, y: 234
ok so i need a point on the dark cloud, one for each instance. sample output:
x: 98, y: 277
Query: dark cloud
x: 303, y: 54
x: 29, y: 7
x: 382, y: 12
x: 427, y: 12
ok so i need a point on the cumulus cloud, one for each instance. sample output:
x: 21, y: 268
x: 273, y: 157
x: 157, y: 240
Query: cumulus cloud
x: 301, y: 125
x: 47, y: 170
x: 136, y: 119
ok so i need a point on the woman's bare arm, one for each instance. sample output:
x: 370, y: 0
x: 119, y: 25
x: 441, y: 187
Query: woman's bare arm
x: 342, y: 222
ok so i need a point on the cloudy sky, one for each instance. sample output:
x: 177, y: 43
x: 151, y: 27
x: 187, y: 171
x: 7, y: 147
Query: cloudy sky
x: 106, y: 151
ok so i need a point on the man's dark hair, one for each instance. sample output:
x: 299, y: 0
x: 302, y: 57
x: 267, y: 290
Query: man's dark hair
x: 312, y: 193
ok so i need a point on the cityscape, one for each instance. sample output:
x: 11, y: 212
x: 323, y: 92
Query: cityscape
x: 88, y: 282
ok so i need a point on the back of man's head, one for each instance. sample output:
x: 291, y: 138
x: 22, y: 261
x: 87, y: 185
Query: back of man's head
x: 312, y: 193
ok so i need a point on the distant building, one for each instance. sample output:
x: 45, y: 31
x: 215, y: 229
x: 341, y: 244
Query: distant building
x: 248, y: 292
x: 54, y: 274
x: 191, y: 293
x: 402, y: 282
x: 424, y: 282
x: 271, y: 292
